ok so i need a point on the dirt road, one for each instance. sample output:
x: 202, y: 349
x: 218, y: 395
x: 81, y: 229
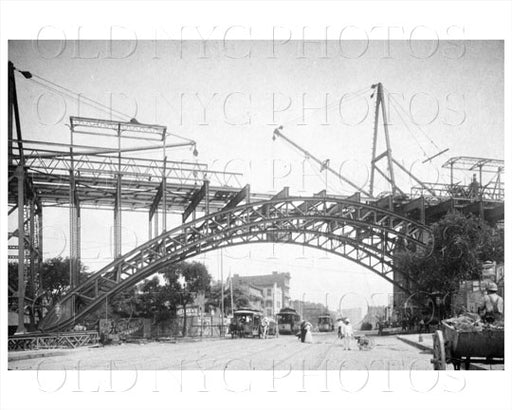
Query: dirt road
x: 282, y: 353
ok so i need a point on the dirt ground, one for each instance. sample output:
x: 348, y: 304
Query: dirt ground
x: 282, y: 353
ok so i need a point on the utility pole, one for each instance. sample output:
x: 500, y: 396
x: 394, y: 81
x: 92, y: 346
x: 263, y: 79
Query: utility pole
x: 231, y: 289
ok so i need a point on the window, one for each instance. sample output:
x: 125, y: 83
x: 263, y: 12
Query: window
x: 269, y: 292
x: 278, y: 304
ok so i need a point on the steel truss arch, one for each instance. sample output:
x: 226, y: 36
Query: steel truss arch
x: 362, y: 233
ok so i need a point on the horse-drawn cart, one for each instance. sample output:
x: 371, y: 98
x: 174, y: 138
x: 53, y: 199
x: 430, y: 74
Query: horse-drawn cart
x: 479, y: 344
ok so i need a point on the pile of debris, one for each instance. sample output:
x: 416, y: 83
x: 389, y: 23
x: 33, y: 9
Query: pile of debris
x: 465, y: 323
x: 473, y: 323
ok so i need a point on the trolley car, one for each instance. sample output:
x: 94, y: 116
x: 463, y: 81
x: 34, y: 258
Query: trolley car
x: 325, y: 323
x: 246, y: 323
x: 288, y: 321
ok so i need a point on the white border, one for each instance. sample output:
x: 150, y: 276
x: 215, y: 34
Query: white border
x: 23, y: 20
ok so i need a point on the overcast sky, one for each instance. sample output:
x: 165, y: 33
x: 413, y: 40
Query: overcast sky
x: 230, y: 97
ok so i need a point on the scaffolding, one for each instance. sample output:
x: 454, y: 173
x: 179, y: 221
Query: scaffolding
x: 487, y: 187
x: 125, y: 168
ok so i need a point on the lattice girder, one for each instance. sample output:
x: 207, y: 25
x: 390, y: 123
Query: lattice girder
x: 359, y: 232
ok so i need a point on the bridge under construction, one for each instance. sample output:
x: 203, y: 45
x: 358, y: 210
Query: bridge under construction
x: 217, y: 208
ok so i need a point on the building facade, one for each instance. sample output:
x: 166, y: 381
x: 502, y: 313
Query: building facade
x: 275, y: 289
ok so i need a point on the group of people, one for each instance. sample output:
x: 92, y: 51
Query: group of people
x: 305, y: 334
x: 345, y: 332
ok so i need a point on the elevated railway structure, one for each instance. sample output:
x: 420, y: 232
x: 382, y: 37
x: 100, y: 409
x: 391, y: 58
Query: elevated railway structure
x: 217, y: 210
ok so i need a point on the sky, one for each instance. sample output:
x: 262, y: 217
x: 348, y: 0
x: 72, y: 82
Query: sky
x: 229, y: 97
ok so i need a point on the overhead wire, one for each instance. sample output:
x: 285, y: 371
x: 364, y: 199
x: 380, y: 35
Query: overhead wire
x: 66, y: 92
x: 397, y: 104
x: 408, y: 129
x: 413, y: 122
x: 330, y: 106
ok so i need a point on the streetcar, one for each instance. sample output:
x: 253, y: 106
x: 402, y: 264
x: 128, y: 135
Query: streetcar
x: 288, y: 321
x: 325, y: 323
x: 246, y: 323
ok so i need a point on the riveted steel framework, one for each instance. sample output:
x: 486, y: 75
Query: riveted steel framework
x: 37, y: 341
x: 359, y: 232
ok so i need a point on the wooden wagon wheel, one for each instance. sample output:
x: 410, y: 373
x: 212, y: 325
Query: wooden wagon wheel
x: 439, y: 359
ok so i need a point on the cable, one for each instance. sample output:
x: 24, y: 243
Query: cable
x: 410, y: 131
x: 66, y: 92
x: 354, y: 95
x: 79, y: 96
x: 417, y: 126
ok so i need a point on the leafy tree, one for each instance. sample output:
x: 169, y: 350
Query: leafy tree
x: 184, y: 282
x: 54, y: 274
x: 55, y: 277
x: 241, y: 298
x: 460, y: 245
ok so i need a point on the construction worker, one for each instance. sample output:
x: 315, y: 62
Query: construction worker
x: 474, y: 189
x: 491, y: 309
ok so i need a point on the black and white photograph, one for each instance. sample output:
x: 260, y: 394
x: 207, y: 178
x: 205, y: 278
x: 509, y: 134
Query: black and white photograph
x: 254, y: 209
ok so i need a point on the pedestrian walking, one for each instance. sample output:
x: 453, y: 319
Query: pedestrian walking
x: 264, y: 327
x: 348, y: 335
x: 308, y: 338
x: 340, y: 324
x: 302, y: 332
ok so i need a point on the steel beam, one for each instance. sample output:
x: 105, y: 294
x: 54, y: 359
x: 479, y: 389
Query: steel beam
x: 196, y: 199
x: 243, y: 194
x: 355, y: 197
x: 417, y: 204
x: 385, y: 202
x: 156, y: 201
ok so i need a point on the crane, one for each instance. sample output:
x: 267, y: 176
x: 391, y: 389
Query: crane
x: 324, y: 165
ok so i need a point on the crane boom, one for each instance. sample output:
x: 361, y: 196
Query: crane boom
x: 323, y: 164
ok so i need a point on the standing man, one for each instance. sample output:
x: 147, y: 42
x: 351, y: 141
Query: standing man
x: 264, y: 327
x: 303, y: 331
x: 474, y: 189
x: 491, y: 309
x: 341, y: 325
x: 348, y: 335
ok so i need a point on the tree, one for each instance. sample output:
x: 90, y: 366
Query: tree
x: 184, y: 281
x: 460, y: 245
x: 54, y: 274
x: 241, y: 298
x: 55, y: 277
x: 148, y: 299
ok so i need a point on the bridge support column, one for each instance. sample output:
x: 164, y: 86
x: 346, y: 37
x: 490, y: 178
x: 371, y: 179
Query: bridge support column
x: 117, y: 220
x: 20, y: 174
x: 150, y: 233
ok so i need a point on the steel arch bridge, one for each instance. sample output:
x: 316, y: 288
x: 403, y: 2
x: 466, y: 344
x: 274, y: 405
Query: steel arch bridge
x: 359, y: 232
